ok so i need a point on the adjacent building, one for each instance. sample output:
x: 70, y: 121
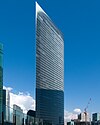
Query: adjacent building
x: 6, y: 105
x: 49, y: 70
x: 1, y: 79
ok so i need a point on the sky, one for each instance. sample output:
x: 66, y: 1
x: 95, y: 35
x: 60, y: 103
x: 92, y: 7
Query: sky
x: 79, y: 21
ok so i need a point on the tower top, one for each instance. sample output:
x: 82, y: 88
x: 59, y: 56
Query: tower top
x: 39, y: 9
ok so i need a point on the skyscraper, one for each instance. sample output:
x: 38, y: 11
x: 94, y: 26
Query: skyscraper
x: 49, y: 70
x: 1, y: 79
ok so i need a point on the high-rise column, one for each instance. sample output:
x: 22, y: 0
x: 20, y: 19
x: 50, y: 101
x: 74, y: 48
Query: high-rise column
x: 49, y: 70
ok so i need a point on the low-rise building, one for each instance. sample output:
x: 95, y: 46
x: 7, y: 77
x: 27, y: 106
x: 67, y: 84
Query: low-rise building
x: 17, y: 115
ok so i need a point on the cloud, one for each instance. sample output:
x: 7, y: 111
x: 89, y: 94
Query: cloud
x: 77, y: 110
x: 23, y: 100
x: 69, y: 115
x: 26, y: 102
x: 8, y: 88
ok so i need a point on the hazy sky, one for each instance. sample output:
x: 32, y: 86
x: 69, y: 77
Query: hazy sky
x: 79, y: 21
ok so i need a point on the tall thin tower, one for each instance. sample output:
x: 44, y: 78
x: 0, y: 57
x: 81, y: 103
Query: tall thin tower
x: 6, y: 105
x: 49, y: 70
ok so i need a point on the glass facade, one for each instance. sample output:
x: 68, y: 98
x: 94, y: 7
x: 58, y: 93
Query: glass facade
x: 1, y: 80
x: 49, y: 70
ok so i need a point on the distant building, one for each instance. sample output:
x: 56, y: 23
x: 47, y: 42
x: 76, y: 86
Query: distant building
x: 82, y: 123
x: 77, y: 122
x: 83, y: 117
x: 31, y: 113
x: 49, y: 70
x: 32, y: 120
x: 31, y: 117
x: 71, y: 123
x: 1, y: 80
x: 6, y: 105
x: 17, y: 115
x: 95, y: 122
x: 96, y: 117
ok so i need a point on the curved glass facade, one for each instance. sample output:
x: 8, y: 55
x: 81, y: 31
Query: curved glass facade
x: 49, y: 70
